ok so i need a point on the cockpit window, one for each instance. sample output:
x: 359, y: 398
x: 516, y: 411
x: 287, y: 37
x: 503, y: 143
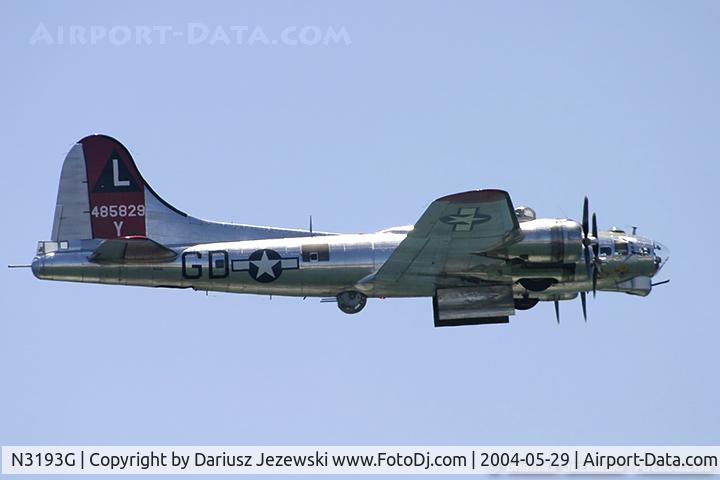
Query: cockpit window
x: 640, y: 249
x: 621, y: 248
x: 605, y: 251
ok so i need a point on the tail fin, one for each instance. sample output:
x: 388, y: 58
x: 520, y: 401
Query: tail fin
x: 103, y: 196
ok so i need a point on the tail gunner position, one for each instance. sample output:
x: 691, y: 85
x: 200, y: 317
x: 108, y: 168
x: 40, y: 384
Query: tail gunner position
x: 477, y: 256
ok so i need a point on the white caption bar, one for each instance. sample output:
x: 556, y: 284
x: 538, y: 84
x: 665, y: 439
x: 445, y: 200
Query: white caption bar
x: 361, y: 460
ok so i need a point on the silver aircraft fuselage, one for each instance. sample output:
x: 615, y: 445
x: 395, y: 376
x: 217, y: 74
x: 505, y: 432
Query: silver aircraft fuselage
x: 325, y: 265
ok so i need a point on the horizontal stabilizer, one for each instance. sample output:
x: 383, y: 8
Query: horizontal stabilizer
x: 131, y: 250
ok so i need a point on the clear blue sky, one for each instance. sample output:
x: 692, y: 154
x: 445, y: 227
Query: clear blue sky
x: 549, y: 100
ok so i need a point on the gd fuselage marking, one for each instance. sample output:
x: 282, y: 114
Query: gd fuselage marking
x: 263, y: 265
x: 465, y: 219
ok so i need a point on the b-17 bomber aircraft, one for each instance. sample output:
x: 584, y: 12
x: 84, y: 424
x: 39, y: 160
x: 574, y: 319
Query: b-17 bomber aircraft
x: 474, y: 253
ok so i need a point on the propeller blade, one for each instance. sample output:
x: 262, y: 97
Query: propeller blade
x: 586, y: 252
x: 585, y: 218
x: 583, y: 299
x: 594, y: 279
x: 596, y: 245
x: 557, y: 311
x: 594, y: 225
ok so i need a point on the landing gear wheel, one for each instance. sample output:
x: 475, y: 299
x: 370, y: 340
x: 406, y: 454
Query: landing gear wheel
x: 351, y: 302
x: 525, y: 303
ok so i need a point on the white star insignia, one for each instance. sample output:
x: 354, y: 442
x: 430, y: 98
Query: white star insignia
x: 265, y: 265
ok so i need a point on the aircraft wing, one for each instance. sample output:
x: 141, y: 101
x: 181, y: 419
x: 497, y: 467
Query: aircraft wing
x: 449, y: 235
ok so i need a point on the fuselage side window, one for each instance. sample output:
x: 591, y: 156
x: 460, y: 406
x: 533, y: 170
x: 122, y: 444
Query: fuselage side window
x: 315, y: 253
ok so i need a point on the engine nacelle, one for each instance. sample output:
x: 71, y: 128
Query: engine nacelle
x: 549, y: 241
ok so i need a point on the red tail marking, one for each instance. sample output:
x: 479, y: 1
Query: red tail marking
x: 115, y: 188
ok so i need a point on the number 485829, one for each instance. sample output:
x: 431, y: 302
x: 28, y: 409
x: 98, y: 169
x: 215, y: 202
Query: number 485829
x: 104, y: 211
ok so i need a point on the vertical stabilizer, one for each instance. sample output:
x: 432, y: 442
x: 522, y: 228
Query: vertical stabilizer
x: 102, y: 195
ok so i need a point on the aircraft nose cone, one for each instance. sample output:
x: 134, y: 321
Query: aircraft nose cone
x: 662, y: 255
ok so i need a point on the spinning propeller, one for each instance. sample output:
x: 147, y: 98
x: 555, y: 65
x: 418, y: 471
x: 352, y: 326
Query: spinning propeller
x: 590, y: 239
x: 592, y: 265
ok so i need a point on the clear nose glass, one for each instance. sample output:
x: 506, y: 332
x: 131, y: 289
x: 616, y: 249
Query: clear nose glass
x: 662, y: 255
